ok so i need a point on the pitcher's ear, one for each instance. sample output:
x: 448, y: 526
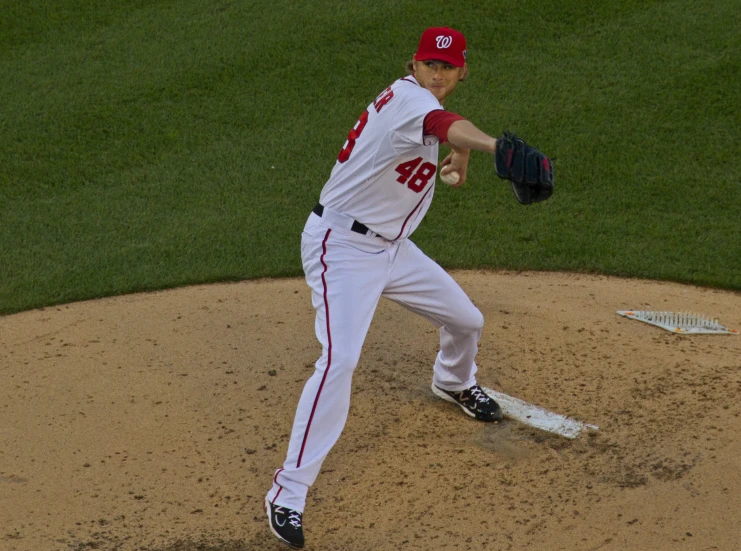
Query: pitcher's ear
x: 464, y: 76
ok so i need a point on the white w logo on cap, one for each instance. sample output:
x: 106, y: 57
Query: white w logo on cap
x: 444, y: 42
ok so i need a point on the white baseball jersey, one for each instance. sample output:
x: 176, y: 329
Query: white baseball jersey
x: 385, y: 174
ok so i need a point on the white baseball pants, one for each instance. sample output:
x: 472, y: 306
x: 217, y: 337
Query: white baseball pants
x: 348, y: 273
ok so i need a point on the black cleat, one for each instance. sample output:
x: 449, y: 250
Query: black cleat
x: 473, y: 401
x: 285, y: 524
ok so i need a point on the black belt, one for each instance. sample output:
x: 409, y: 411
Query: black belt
x: 357, y: 227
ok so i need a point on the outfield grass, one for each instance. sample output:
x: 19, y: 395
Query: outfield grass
x: 145, y: 145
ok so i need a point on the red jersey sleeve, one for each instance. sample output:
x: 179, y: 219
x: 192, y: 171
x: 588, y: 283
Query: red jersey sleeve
x: 438, y: 122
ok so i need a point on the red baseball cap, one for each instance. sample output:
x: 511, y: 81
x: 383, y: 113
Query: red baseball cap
x: 444, y: 44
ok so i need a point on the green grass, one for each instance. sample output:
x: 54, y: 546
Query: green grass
x: 145, y: 145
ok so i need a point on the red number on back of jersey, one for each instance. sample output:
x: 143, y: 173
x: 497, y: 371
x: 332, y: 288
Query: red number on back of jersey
x: 416, y: 181
x: 352, y: 136
x: 406, y: 169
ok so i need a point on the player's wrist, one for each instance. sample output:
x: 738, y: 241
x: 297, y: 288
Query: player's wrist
x: 492, y: 146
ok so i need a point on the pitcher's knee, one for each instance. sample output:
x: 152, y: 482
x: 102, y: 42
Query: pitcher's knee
x: 470, y: 321
x: 344, y: 360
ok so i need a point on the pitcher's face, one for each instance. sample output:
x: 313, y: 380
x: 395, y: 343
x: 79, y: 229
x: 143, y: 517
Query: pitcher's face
x: 439, y: 77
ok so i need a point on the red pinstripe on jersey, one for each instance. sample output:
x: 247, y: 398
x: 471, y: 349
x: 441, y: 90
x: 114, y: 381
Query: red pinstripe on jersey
x: 413, y: 211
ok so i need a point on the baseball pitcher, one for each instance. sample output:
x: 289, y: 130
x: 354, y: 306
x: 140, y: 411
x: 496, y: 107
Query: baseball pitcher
x: 356, y: 248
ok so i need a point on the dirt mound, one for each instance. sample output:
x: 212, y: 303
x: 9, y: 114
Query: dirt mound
x: 156, y: 422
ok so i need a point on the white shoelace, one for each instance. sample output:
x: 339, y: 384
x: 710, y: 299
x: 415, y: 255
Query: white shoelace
x: 479, y: 395
x: 294, y: 519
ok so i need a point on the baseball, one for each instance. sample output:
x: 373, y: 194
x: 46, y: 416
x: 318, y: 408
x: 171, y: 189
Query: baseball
x: 451, y: 178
